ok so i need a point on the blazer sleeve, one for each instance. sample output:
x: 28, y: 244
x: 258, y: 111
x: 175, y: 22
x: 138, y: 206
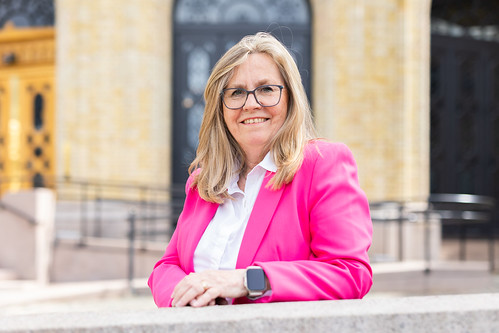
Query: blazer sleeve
x: 340, y: 236
x: 167, y: 272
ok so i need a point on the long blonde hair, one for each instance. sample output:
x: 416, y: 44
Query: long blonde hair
x: 218, y: 153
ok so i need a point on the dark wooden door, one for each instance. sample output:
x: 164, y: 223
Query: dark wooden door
x: 464, y: 116
x: 203, y: 31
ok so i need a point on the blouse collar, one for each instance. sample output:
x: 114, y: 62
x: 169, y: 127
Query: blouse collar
x: 267, y: 163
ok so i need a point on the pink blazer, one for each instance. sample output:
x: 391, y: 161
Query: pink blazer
x: 310, y: 237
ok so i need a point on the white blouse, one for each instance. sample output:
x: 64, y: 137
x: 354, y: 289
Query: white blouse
x: 219, y: 246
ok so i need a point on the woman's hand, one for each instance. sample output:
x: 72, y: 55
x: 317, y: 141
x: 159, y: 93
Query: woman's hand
x: 209, y: 287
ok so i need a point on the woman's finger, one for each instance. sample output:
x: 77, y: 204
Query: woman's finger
x: 188, y: 296
x: 181, y: 288
x: 200, y: 289
x: 208, y: 296
x: 187, y: 289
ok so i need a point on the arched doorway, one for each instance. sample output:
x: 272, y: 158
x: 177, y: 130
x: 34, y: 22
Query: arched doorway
x: 203, y: 31
x: 27, y: 77
x: 465, y: 98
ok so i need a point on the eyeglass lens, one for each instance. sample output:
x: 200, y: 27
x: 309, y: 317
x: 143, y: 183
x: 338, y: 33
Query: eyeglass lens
x: 266, y: 95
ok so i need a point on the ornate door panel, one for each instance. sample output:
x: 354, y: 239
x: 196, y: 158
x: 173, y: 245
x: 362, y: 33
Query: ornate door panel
x: 27, y: 157
x: 26, y: 108
x: 38, y: 130
x: 195, y: 57
x: 204, y: 30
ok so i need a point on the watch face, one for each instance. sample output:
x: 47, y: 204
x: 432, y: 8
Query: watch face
x: 255, y: 278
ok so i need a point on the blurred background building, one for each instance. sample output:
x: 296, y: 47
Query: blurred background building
x: 117, y: 94
x: 111, y: 91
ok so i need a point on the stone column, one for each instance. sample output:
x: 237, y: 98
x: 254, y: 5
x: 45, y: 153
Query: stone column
x: 45, y: 233
x: 371, y: 89
x: 27, y: 237
x: 114, y: 97
x: 416, y: 149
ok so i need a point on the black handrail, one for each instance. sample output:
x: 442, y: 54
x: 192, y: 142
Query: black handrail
x: 145, y: 205
x: 131, y: 250
x: 450, y: 208
x: 92, y: 197
x: 459, y: 198
x: 461, y: 209
x: 133, y: 221
x: 400, y: 217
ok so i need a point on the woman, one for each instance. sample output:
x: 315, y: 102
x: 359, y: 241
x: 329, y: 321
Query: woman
x: 270, y: 214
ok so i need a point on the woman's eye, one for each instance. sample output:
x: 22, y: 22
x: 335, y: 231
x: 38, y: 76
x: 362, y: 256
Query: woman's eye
x: 266, y: 90
x: 237, y: 93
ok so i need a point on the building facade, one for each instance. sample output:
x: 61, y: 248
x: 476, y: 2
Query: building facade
x: 124, y: 96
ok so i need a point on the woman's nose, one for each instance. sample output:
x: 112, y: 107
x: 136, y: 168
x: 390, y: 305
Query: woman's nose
x: 251, y: 102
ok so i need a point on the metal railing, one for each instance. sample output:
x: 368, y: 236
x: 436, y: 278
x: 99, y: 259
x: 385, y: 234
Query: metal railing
x: 138, y: 214
x: 390, y: 211
x: 136, y: 233
x: 464, y: 210
x: 99, y: 209
x: 459, y: 209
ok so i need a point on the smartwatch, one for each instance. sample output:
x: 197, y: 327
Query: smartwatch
x: 255, y: 282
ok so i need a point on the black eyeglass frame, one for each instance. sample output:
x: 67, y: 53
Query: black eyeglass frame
x: 248, y: 92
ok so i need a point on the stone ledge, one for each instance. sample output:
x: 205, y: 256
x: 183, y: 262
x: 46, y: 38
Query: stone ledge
x: 457, y: 313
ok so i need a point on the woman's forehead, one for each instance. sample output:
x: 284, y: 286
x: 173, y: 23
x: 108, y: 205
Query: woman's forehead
x: 258, y: 68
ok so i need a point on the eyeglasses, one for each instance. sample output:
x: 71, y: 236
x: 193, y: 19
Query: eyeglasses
x: 267, y: 95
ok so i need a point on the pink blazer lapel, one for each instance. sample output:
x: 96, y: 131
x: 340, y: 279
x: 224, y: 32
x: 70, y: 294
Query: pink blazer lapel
x: 259, y: 220
x: 204, y: 215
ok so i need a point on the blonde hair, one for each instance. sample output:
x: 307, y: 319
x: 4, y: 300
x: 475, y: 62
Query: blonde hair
x: 218, y: 153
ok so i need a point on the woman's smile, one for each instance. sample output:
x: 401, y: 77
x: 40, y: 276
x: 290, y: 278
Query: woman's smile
x: 254, y: 121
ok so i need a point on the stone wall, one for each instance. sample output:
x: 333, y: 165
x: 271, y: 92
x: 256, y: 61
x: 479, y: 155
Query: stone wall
x: 114, y: 96
x: 18, y: 246
x: 103, y: 259
x: 371, y: 89
x: 461, y: 313
x: 27, y: 233
x: 27, y: 248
